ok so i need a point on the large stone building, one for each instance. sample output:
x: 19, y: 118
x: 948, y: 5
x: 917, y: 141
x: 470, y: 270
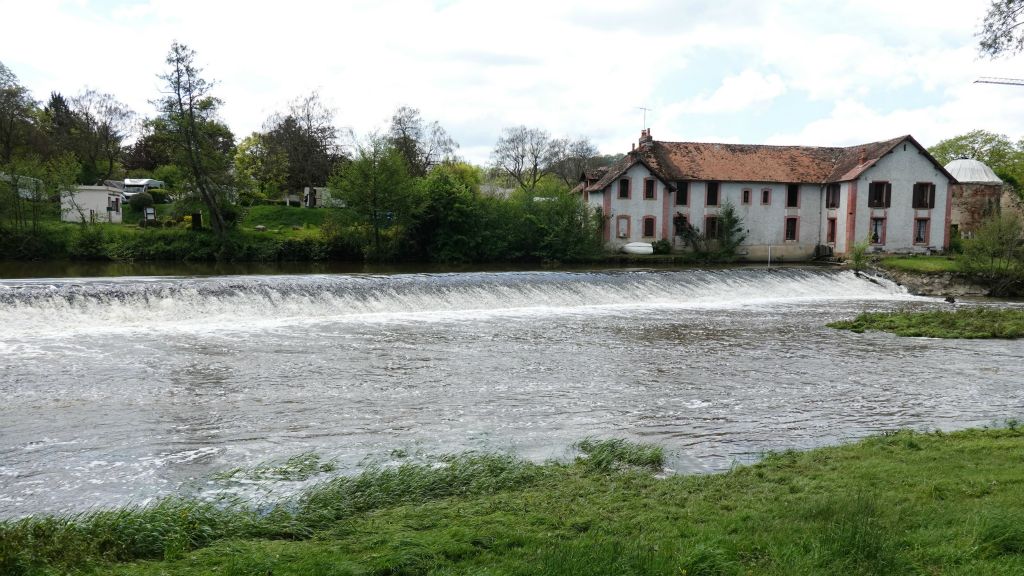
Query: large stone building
x: 795, y: 201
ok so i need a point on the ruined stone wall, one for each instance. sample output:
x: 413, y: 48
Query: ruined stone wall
x: 972, y: 203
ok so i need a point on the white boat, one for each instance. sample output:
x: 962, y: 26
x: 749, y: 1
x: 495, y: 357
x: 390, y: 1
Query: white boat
x: 638, y: 248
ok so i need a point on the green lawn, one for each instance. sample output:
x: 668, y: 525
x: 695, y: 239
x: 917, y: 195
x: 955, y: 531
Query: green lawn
x: 921, y: 264
x: 962, y: 323
x: 901, y: 503
x: 281, y: 221
x: 275, y: 217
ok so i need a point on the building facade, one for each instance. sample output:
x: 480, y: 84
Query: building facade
x: 92, y: 204
x: 795, y: 202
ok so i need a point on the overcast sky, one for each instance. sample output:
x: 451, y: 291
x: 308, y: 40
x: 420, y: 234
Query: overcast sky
x: 814, y: 72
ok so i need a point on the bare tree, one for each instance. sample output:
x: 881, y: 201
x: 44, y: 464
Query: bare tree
x: 105, y: 122
x: 1001, y: 30
x: 523, y: 154
x: 422, y: 145
x: 571, y: 157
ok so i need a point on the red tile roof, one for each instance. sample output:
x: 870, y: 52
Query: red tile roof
x: 671, y: 161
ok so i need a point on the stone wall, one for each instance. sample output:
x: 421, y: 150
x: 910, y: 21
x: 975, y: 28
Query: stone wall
x: 972, y: 203
x: 937, y: 284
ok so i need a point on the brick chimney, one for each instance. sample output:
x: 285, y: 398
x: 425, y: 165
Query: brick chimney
x: 646, y: 140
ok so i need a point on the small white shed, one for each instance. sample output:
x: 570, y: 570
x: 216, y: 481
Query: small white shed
x: 92, y: 204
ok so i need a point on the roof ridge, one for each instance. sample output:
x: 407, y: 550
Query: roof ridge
x: 753, y: 145
x: 885, y: 141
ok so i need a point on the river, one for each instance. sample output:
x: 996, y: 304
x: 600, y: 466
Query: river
x: 120, y: 390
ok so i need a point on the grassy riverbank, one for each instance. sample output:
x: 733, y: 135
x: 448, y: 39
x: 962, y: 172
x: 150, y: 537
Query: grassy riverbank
x: 894, y: 504
x: 921, y: 264
x: 962, y: 323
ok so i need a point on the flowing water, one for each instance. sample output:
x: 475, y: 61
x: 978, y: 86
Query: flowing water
x: 120, y: 390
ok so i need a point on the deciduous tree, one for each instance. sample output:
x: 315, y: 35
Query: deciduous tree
x: 423, y: 145
x: 16, y: 113
x: 60, y: 124
x: 1001, y: 31
x: 450, y: 227
x: 150, y: 150
x: 104, y: 123
x: 997, y: 151
x: 260, y: 170
x: 523, y: 154
x: 570, y: 157
x: 188, y: 113
x: 377, y: 188
x: 307, y: 136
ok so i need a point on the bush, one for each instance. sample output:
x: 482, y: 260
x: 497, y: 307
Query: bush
x: 956, y: 242
x: 859, y: 256
x: 140, y: 201
x: 45, y: 242
x: 159, y: 196
x: 720, y: 246
x: 231, y: 215
x: 662, y: 246
x: 994, y: 256
x: 88, y: 243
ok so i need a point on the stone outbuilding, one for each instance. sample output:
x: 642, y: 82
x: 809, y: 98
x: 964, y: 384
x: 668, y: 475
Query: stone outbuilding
x: 977, y: 194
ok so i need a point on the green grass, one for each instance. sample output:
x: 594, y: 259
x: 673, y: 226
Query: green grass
x: 963, y: 323
x: 615, y: 453
x: 900, y: 503
x: 921, y: 264
x: 283, y: 217
x: 300, y: 467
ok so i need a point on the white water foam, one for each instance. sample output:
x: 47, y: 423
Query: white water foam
x: 49, y: 308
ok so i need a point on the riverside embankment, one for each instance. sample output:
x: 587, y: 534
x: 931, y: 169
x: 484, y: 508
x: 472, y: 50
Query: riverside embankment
x: 899, y: 503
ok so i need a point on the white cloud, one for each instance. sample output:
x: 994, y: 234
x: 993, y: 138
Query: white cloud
x: 736, y: 93
x: 968, y: 107
x: 575, y: 67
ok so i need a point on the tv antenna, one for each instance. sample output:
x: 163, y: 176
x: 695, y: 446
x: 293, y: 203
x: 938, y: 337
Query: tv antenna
x: 1008, y: 81
x: 646, y: 110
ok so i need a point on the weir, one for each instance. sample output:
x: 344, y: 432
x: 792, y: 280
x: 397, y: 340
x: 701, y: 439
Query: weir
x: 44, y: 306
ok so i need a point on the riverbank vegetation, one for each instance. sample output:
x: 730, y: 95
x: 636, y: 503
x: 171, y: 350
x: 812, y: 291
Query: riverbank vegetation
x: 399, y: 195
x: 899, y: 503
x: 974, y: 322
x: 453, y: 224
x: 993, y: 257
